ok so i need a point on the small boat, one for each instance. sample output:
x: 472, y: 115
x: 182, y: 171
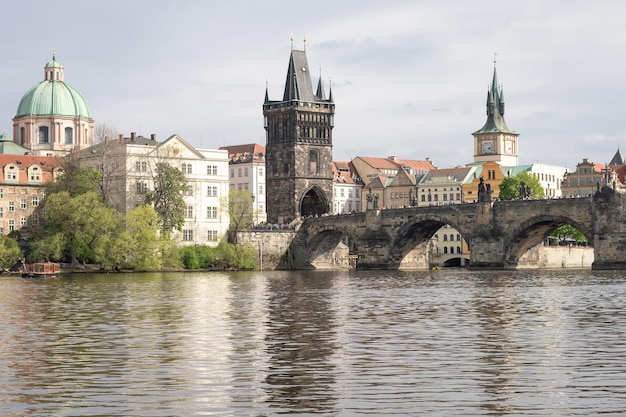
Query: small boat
x: 41, y: 270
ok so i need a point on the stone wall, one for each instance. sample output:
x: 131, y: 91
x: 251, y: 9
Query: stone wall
x: 540, y: 256
x: 271, y: 245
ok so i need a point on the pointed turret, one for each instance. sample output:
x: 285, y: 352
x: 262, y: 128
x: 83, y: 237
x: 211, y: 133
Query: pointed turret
x: 321, y: 94
x: 618, y: 159
x: 298, y: 85
x: 495, y: 109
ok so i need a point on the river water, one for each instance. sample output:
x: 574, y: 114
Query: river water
x: 374, y: 343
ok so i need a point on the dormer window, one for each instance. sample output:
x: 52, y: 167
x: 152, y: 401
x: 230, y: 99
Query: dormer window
x: 34, y: 174
x: 11, y: 173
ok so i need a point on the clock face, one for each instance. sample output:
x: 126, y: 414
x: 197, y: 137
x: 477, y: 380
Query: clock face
x: 509, y: 146
x: 487, y: 147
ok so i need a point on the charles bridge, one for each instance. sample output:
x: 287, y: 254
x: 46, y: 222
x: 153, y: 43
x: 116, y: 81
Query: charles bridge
x: 498, y: 233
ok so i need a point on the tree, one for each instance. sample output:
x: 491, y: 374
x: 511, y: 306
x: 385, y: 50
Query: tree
x: 10, y: 252
x: 75, y: 180
x: 50, y: 248
x: 141, y: 239
x: 240, y: 212
x: 510, y: 186
x: 104, y: 132
x: 568, y: 231
x: 167, y: 197
x: 90, y: 228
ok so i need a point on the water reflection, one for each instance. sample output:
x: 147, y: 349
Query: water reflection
x: 300, y: 342
x: 351, y: 343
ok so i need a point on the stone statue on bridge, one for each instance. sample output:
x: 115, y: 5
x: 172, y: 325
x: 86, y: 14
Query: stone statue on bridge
x: 484, y: 191
x: 524, y: 191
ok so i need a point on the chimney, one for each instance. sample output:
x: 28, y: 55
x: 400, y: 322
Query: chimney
x: 153, y: 137
x: 133, y: 136
x: 392, y: 158
x: 120, y: 138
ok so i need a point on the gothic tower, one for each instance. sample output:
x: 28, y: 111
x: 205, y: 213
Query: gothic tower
x: 495, y: 141
x: 298, y: 156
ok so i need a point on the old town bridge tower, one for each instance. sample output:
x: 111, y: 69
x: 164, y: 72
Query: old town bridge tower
x: 298, y: 156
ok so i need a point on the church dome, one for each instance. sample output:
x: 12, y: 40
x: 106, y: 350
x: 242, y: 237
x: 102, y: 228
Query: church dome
x: 53, y: 96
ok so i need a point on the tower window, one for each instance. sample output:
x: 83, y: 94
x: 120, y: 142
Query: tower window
x: 313, y: 161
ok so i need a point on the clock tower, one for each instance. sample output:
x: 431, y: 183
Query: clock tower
x: 495, y: 141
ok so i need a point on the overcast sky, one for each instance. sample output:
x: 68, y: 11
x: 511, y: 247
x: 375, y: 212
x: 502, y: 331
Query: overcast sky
x: 409, y: 78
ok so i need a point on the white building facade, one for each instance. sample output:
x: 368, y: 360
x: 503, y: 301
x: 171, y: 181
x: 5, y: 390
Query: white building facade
x: 247, y: 172
x: 127, y: 167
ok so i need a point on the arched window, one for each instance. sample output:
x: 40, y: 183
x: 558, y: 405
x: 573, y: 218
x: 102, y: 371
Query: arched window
x: 458, y: 249
x: 445, y: 249
x: 445, y: 238
x: 451, y: 237
x: 451, y: 249
x: 458, y: 237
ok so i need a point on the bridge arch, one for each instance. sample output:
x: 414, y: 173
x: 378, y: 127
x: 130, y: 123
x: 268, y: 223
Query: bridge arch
x: 534, y: 230
x: 329, y: 247
x: 411, y: 249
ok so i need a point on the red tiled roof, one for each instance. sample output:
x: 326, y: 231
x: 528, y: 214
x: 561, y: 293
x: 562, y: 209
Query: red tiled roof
x: 250, y: 151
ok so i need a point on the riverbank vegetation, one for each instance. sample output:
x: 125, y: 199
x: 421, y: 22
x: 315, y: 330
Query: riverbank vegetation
x: 79, y: 228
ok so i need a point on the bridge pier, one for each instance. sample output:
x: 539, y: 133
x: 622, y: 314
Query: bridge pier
x: 609, y: 230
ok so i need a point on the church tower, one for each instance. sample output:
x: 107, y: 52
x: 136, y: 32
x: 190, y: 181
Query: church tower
x: 298, y: 156
x: 495, y: 141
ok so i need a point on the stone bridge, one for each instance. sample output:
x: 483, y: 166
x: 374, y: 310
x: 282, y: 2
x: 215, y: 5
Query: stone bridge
x: 498, y: 233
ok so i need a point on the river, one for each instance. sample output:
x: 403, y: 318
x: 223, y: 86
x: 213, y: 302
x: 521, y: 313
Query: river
x: 353, y: 343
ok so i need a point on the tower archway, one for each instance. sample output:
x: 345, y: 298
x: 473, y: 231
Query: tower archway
x: 314, y: 202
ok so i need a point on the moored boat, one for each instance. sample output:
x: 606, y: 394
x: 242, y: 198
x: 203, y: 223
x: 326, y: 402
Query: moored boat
x: 41, y: 270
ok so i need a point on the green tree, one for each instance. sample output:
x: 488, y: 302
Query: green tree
x: 568, y: 231
x: 142, y: 239
x: 75, y: 179
x: 10, y: 252
x: 170, y: 185
x: 89, y: 227
x: 49, y: 248
x: 240, y: 213
x: 510, y: 186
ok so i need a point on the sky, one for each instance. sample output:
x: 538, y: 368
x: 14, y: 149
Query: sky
x: 409, y: 78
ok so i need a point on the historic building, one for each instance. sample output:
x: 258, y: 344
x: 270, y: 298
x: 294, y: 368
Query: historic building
x: 127, y: 166
x: 347, y: 187
x: 586, y: 179
x: 389, y: 182
x: 247, y: 172
x: 444, y: 186
x: 299, y: 146
x: 22, y: 190
x: 495, y: 141
x: 52, y: 118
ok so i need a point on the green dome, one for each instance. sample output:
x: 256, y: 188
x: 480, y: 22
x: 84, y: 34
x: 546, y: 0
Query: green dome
x: 53, y: 98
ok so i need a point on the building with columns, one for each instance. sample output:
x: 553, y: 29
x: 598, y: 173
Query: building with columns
x: 52, y: 118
